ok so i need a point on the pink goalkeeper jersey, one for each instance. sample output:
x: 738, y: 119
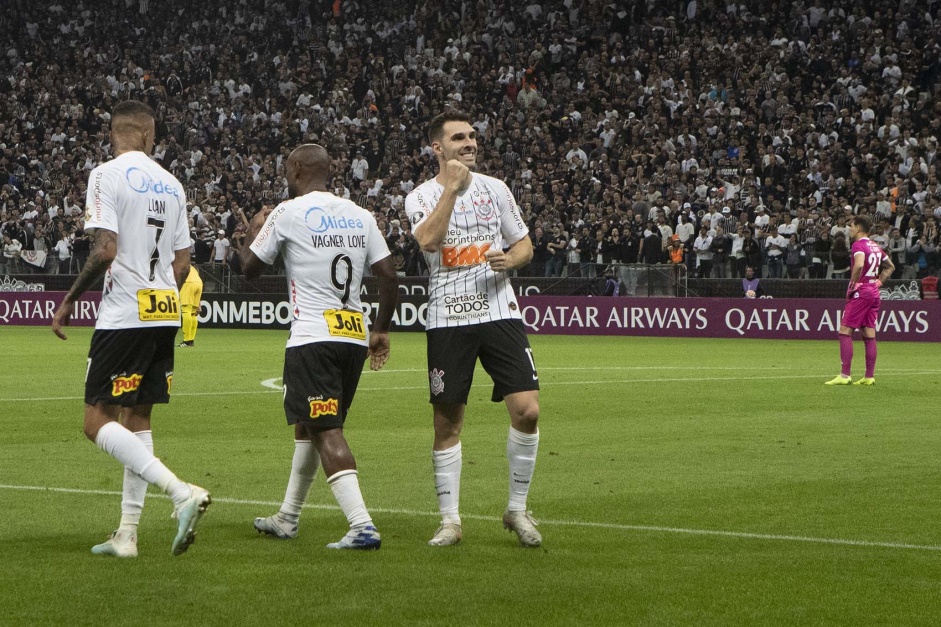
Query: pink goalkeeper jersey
x: 871, y: 266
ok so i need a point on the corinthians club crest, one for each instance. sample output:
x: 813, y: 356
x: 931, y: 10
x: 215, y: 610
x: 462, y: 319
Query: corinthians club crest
x: 483, y: 205
x: 437, y: 381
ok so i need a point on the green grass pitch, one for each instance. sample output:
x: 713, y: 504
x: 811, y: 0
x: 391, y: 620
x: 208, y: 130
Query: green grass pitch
x: 679, y: 482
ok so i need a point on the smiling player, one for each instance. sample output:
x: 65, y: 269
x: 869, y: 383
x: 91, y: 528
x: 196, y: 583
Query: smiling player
x: 472, y: 233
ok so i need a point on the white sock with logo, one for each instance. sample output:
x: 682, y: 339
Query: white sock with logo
x: 134, y: 489
x: 303, y: 470
x: 115, y: 440
x: 447, y: 465
x: 345, y: 486
x: 521, y: 453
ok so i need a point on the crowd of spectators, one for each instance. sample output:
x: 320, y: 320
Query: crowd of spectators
x: 749, y: 131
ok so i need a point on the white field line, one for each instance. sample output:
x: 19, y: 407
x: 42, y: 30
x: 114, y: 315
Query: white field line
x: 271, y: 388
x: 559, y: 523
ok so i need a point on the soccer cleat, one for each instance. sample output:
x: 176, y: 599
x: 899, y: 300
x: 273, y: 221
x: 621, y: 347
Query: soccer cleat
x: 276, y: 527
x: 839, y: 380
x: 359, y: 538
x: 865, y: 381
x: 185, y: 344
x: 448, y: 534
x: 119, y: 544
x: 188, y: 515
x: 524, y: 525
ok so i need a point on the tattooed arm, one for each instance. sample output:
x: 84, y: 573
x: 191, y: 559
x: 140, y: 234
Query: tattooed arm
x: 104, y: 248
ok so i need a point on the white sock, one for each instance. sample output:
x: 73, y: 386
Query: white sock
x: 521, y: 452
x: 303, y: 470
x: 115, y: 440
x: 135, y: 489
x: 345, y: 486
x: 447, y: 465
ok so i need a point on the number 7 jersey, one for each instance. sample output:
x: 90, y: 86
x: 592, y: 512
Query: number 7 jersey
x: 145, y: 205
x: 326, y: 243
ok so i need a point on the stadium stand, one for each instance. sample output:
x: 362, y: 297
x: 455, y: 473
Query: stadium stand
x: 607, y: 115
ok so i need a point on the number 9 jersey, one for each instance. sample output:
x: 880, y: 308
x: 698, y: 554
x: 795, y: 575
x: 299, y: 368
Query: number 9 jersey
x: 145, y: 205
x: 326, y: 243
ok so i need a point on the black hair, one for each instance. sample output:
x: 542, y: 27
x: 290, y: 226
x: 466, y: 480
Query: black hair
x: 132, y: 108
x: 864, y: 223
x: 436, y: 127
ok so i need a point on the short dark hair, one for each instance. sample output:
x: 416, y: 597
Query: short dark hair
x: 132, y: 108
x: 863, y: 222
x: 436, y: 127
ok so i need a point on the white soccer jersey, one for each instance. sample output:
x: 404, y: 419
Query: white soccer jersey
x: 326, y: 243
x: 146, y: 206
x: 463, y: 289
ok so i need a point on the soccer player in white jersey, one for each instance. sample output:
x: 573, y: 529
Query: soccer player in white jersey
x: 326, y: 242
x: 136, y: 216
x: 472, y: 233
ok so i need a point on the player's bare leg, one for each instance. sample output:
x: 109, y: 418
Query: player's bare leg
x: 521, y: 448
x: 447, y: 459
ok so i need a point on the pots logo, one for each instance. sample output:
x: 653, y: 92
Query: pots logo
x: 328, y: 407
x: 483, y: 205
x: 123, y: 385
x: 471, y: 255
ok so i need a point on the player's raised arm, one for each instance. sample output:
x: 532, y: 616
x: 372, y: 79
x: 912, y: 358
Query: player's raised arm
x: 454, y: 142
x: 252, y: 265
x: 430, y: 233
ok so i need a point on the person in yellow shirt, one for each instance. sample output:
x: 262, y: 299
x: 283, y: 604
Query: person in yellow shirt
x: 190, y: 295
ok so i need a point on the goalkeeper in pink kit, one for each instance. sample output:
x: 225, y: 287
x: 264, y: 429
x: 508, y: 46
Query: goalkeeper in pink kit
x: 871, y: 267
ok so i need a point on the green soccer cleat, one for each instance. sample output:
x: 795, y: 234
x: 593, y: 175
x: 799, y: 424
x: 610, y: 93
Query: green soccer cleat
x: 865, y: 381
x: 189, y: 514
x: 839, y: 380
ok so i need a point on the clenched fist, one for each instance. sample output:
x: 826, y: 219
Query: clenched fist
x: 457, y: 176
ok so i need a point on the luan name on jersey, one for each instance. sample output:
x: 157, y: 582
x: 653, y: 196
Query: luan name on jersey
x: 145, y: 205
